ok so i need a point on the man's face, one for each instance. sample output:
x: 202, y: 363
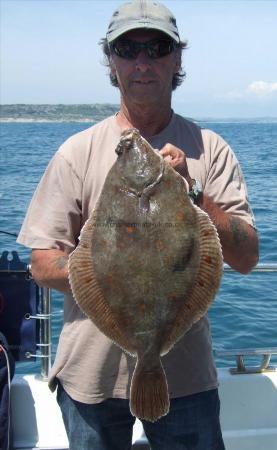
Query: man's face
x: 145, y: 80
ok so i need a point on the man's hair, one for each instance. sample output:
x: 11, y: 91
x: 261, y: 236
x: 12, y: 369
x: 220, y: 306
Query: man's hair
x: 177, y: 78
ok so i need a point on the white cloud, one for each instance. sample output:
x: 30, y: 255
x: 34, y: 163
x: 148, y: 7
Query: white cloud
x: 262, y: 88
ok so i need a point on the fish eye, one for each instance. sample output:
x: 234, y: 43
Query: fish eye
x: 119, y: 149
x: 128, y: 143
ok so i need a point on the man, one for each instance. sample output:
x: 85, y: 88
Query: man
x: 143, y: 48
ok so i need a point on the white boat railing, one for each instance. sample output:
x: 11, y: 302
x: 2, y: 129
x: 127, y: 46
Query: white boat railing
x: 261, y: 267
x: 46, y: 337
x: 242, y: 353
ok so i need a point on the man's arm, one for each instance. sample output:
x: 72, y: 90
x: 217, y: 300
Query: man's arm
x: 239, y: 241
x: 50, y: 269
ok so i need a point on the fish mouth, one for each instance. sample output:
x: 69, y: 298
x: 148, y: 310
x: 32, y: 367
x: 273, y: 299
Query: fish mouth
x: 126, y: 140
x: 129, y: 134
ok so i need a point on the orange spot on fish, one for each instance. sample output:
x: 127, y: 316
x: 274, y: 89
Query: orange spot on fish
x: 130, y: 229
x: 180, y: 216
x: 142, y: 307
x: 109, y: 278
x: 208, y: 259
x: 104, y: 243
x: 159, y: 245
x: 172, y: 297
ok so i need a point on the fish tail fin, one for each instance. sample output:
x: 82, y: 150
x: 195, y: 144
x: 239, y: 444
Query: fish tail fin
x: 149, y: 394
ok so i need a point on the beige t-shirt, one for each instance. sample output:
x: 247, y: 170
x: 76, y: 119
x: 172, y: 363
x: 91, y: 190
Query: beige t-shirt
x: 90, y: 367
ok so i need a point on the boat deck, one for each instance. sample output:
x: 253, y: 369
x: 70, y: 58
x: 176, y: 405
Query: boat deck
x: 248, y: 413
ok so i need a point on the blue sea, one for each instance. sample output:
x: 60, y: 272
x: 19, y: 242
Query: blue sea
x: 244, y: 313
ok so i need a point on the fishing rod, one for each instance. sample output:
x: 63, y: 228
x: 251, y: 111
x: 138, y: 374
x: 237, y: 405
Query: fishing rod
x: 8, y: 233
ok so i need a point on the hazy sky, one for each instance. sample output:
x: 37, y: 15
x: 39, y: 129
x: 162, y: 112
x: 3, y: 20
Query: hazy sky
x: 50, y: 54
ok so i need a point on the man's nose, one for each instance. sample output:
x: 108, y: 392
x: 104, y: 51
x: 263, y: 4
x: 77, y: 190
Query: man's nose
x: 143, y: 61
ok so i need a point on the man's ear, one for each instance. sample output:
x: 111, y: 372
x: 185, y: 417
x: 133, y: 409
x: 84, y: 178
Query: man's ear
x: 178, y: 62
x: 112, y: 66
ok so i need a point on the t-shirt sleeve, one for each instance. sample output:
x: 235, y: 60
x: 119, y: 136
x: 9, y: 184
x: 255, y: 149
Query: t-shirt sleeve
x: 53, y: 219
x: 225, y: 183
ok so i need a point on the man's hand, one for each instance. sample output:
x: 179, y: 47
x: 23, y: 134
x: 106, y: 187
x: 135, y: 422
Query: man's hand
x: 240, y: 246
x: 177, y: 159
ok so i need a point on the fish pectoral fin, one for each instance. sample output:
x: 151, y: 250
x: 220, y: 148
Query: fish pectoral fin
x: 149, y: 393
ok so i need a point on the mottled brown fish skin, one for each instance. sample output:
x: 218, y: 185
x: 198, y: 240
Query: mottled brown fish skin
x: 147, y: 267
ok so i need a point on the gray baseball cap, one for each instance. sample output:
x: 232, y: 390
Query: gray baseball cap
x: 142, y: 14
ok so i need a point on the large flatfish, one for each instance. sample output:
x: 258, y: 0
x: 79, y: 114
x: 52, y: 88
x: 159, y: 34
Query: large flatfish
x: 147, y: 266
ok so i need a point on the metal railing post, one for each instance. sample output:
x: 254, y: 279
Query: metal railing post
x: 45, y: 333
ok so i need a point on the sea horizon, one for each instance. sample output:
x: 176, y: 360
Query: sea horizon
x: 94, y: 112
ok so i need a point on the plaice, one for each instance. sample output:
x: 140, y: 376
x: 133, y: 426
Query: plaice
x: 147, y: 266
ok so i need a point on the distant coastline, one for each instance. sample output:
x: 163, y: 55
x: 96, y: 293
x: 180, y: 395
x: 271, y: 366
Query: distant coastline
x: 56, y: 113
x: 87, y: 113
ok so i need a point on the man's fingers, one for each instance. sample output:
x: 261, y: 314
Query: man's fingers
x: 166, y: 153
x: 176, y: 158
x: 170, y: 150
x: 172, y: 154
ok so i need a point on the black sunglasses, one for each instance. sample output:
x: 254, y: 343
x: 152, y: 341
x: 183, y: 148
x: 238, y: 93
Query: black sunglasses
x: 156, y: 48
